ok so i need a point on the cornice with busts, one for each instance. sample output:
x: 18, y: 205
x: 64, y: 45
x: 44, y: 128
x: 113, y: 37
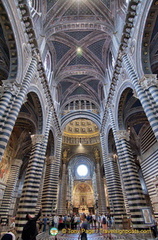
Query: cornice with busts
x: 26, y: 18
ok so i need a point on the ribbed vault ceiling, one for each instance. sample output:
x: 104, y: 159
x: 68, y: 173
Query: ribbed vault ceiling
x: 78, y: 34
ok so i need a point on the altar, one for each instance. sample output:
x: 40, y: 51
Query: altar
x: 83, y: 209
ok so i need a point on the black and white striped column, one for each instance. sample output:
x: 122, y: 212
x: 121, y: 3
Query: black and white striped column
x: 49, y: 188
x: 10, y: 188
x: 117, y: 204
x: 62, y: 192
x: 148, y: 109
x: 102, y: 208
x: 70, y: 190
x: 135, y: 197
x: 32, y: 182
x: 115, y: 193
x: 14, y: 111
x: 57, y: 165
x: 55, y: 173
x: 40, y: 193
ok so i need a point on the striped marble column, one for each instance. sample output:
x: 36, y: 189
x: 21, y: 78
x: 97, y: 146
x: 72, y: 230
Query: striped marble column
x: 94, y: 185
x: 70, y: 190
x: 135, y: 197
x: 56, y: 169
x: 49, y: 188
x: 62, y: 192
x: 101, y: 193
x: 14, y: 111
x: 43, y: 151
x: 148, y: 109
x: 117, y: 205
x: 115, y: 192
x: 10, y: 187
x: 32, y: 182
x: 64, y: 189
x: 40, y: 193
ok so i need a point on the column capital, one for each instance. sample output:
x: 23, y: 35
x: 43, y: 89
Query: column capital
x: 122, y: 134
x: 149, y: 80
x: 110, y: 156
x: 37, y: 138
x: 50, y: 159
x: 17, y: 162
x: 10, y: 85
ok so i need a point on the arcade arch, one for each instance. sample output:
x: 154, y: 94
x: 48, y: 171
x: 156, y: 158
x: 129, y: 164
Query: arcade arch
x: 81, y: 147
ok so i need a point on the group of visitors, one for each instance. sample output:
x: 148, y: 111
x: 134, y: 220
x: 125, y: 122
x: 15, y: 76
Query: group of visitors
x: 37, y: 224
x: 73, y: 221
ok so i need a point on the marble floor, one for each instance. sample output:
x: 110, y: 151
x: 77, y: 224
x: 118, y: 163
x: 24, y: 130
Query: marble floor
x: 97, y: 236
x: 93, y: 235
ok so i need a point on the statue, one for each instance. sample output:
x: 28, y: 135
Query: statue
x: 96, y: 153
x: 65, y: 153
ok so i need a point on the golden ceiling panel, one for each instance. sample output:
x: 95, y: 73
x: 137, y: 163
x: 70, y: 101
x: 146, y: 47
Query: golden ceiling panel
x: 81, y: 127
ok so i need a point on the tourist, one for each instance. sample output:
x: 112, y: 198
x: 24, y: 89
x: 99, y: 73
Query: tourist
x: 84, y: 227
x: 154, y: 226
x: 104, y: 221
x: 8, y: 236
x: 44, y: 223
x: 30, y: 230
x: 56, y: 221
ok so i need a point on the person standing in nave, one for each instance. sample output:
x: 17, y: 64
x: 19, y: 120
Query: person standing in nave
x: 154, y: 227
x: 93, y: 220
x: 30, y: 229
x: 84, y: 227
x: 56, y: 221
x: 44, y: 223
x: 104, y: 221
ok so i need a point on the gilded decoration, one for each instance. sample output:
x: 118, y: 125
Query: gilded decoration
x: 81, y: 131
x: 83, y: 196
x: 76, y: 127
x: 5, y: 166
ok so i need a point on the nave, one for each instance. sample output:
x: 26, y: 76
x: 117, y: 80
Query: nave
x: 79, y: 110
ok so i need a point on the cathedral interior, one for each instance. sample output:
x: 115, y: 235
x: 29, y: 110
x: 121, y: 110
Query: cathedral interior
x: 79, y: 108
